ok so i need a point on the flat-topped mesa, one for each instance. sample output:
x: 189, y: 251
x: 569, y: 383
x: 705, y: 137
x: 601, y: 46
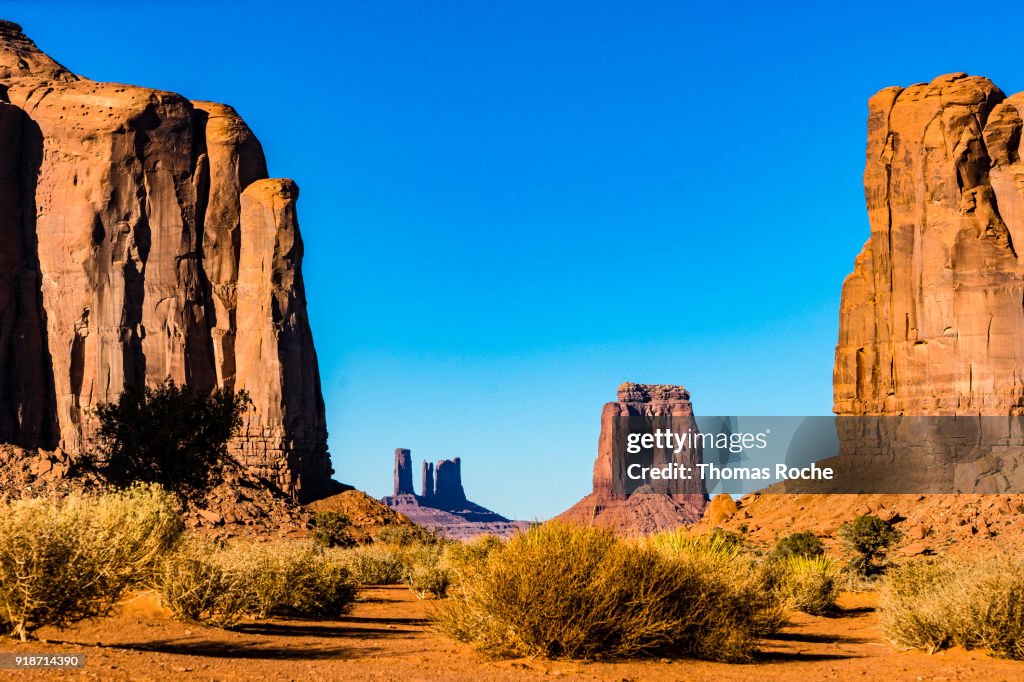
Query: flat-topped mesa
x: 403, y: 472
x: 140, y: 239
x: 931, y: 319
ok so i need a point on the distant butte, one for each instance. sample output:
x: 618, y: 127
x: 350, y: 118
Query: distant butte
x: 442, y: 504
x: 640, y: 512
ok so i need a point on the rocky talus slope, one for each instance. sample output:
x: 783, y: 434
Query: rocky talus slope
x: 141, y: 238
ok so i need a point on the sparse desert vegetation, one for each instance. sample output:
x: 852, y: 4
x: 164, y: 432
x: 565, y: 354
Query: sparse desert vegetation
x: 563, y: 591
x: 68, y: 560
x: 972, y: 602
x: 555, y: 591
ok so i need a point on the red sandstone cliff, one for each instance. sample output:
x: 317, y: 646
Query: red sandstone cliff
x: 140, y: 238
x: 931, y: 319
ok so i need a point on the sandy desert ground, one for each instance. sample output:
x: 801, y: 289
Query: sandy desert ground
x: 388, y: 637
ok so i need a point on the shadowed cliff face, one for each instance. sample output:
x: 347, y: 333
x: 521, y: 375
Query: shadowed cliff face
x: 932, y: 320
x: 143, y: 240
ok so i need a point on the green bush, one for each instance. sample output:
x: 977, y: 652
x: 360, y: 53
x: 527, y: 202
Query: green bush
x: 866, y: 540
x: 563, y: 591
x: 803, y: 544
x: 976, y: 603
x: 66, y: 561
x: 170, y: 435
x: 375, y: 564
x: 809, y: 584
x: 331, y: 529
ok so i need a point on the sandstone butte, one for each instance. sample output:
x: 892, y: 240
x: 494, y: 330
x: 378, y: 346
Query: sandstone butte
x: 141, y: 238
x: 641, y: 511
x: 932, y: 316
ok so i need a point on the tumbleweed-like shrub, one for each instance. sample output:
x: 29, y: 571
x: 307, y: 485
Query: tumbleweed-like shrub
x: 976, y: 603
x: 68, y: 560
x: 218, y: 586
x: 809, y: 584
x: 291, y: 579
x: 376, y: 564
x: 564, y: 591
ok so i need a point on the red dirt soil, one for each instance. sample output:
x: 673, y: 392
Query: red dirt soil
x: 388, y: 637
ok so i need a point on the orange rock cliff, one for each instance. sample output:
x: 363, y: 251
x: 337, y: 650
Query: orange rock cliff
x: 140, y: 238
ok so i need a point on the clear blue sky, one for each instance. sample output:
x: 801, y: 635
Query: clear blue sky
x: 511, y: 207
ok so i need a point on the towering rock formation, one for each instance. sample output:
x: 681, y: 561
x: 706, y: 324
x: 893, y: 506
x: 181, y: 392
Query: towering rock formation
x: 427, y: 482
x: 403, y: 472
x: 612, y: 504
x: 143, y: 240
x: 932, y: 320
x: 448, y: 492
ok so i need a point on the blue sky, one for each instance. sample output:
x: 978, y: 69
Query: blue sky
x: 511, y: 207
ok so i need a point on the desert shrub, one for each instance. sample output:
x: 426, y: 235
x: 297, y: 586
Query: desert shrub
x: 139, y: 525
x: 803, y: 544
x: 375, y: 564
x: 426, y: 571
x: 171, y: 435
x: 563, y: 591
x: 716, y: 547
x: 66, y: 561
x: 332, y: 529
x: 976, y: 603
x: 219, y: 586
x: 809, y: 583
x: 293, y: 579
x: 408, y: 535
x: 458, y: 556
x: 722, y: 554
x: 196, y: 585
x: 866, y: 540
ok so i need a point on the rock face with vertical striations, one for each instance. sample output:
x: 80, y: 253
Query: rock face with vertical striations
x: 931, y: 319
x: 403, y: 472
x: 644, y: 511
x: 142, y: 239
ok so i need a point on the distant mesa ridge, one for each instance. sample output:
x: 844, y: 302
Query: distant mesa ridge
x: 442, y: 503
